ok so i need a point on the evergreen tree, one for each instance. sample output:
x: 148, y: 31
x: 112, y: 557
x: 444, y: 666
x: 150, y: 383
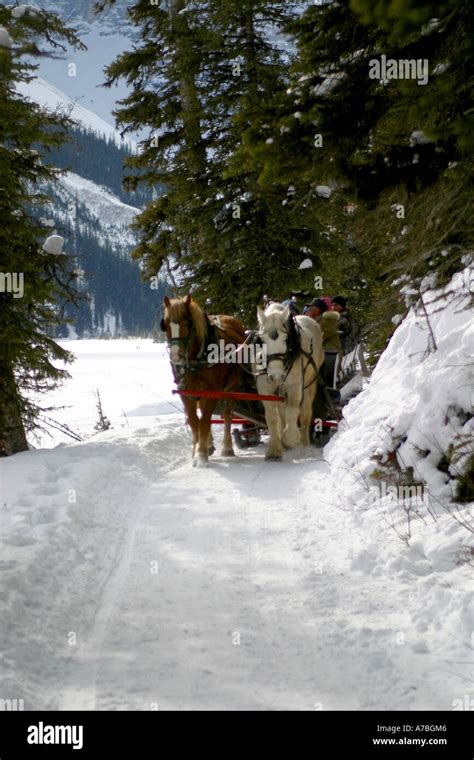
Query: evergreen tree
x: 264, y: 166
x: 205, y: 73
x: 260, y: 245
x: 396, y: 154
x: 33, y: 281
x: 163, y: 75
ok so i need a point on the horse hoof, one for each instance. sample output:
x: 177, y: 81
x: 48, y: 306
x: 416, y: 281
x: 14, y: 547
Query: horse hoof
x: 201, y: 462
x: 228, y: 453
x: 211, y: 450
x: 273, y: 457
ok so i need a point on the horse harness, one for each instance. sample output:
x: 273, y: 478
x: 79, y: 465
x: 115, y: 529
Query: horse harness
x: 201, y: 361
x: 294, y: 350
x: 288, y: 358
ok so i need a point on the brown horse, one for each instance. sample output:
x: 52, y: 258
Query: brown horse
x: 190, y: 335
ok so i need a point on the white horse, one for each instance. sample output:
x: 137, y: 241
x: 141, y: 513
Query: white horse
x: 292, y: 349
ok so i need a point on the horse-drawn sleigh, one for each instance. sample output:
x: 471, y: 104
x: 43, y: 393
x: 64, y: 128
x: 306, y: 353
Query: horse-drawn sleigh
x: 265, y: 379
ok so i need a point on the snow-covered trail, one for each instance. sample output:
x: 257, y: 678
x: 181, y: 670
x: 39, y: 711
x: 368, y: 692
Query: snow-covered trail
x: 229, y: 587
x: 130, y: 580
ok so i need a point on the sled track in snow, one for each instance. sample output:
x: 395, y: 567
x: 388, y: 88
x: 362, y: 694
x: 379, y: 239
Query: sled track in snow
x: 265, y: 597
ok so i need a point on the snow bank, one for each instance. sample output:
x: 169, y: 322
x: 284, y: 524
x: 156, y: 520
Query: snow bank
x: 403, y: 444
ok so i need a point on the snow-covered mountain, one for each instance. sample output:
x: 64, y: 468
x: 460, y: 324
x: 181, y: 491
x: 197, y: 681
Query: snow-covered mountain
x: 114, y: 215
x: 53, y: 98
x: 93, y: 213
x: 106, y: 35
x: 95, y: 224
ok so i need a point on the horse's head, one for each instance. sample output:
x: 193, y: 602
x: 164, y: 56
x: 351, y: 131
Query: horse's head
x: 276, y: 334
x: 185, y: 327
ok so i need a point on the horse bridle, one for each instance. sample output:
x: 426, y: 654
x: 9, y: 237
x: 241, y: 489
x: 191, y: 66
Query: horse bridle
x: 286, y: 358
x: 178, y: 341
x: 185, y: 342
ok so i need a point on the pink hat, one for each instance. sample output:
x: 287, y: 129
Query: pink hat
x: 328, y: 301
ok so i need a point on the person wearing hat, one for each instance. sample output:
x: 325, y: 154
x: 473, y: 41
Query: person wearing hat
x: 328, y: 301
x: 327, y: 320
x: 315, y: 309
x: 339, y: 304
x: 347, y: 325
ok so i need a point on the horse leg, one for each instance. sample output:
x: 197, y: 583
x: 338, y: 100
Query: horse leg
x: 227, y: 448
x: 273, y: 420
x: 207, y: 407
x: 210, y: 440
x: 290, y: 437
x: 210, y: 444
x: 306, y: 414
x: 191, y: 415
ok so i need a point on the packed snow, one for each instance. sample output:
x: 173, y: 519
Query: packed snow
x: 5, y: 39
x: 24, y: 10
x: 130, y: 580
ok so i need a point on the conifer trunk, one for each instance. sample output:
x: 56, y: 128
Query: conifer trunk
x: 12, y: 431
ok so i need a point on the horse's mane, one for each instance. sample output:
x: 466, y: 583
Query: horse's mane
x: 294, y: 344
x: 177, y: 310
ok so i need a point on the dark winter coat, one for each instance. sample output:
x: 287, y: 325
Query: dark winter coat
x: 349, y: 330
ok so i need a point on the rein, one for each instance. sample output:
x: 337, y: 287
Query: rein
x: 310, y: 361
